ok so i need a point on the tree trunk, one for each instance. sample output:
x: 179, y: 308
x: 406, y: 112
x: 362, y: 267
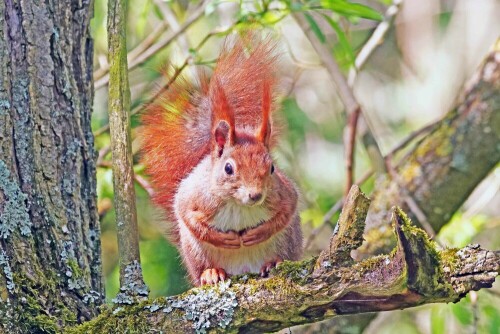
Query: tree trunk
x: 49, y: 230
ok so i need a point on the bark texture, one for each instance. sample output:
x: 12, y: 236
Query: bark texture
x: 413, y: 274
x: 131, y: 281
x: 49, y: 232
x: 444, y: 167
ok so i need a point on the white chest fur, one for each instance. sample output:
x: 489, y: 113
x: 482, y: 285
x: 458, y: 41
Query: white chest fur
x: 244, y: 259
x: 239, y: 217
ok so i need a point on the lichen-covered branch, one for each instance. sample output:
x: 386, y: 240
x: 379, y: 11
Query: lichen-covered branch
x: 414, y: 273
x: 131, y: 280
x: 443, y: 168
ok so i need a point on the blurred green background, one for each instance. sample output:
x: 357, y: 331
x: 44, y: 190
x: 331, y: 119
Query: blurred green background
x: 410, y: 80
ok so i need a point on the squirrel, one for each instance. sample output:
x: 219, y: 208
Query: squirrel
x: 206, y: 148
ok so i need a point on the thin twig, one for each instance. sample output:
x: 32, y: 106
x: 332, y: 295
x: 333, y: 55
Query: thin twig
x: 426, y: 129
x: 141, y: 47
x: 367, y: 175
x: 170, y: 17
x: 350, y: 145
x: 375, y: 40
x: 145, y: 185
x: 345, y: 92
x: 139, y: 179
x: 473, y: 302
x: 153, y: 49
x: 175, y: 75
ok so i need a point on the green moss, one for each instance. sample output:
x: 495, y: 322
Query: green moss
x: 425, y: 274
x: 130, y: 319
x: 449, y: 259
x: 297, y: 272
x: 32, y: 314
x: 75, y: 268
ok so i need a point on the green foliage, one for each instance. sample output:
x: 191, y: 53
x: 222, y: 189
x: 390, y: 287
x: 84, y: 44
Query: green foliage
x: 351, y: 10
x: 315, y: 27
x: 461, y: 230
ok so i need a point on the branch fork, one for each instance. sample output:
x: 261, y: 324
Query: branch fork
x: 332, y: 284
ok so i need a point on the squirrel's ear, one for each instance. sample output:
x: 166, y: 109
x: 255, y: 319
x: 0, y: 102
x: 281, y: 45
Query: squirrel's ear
x: 264, y: 133
x: 222, y: 116
x: 223, y: 136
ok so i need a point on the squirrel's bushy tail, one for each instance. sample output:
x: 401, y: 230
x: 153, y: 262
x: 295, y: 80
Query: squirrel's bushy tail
x: 177, y: 126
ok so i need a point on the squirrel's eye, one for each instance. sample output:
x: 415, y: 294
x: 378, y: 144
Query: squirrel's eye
x: 272, y: 168
x: 228, y: 169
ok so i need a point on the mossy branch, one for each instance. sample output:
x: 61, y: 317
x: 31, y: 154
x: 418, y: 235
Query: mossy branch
x: 443, y: 168
x: 131, y: 280
x: 415, y: 273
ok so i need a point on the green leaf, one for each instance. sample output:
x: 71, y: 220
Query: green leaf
x: 347, y: 51
x: 315, y: 28
x: 438, y: 325
x: 349, y: 9
x: 462, y: 312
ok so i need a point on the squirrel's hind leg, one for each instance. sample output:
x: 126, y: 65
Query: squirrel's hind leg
x: 266, y: 267
x: 212, y: 276
x: 200, y: 268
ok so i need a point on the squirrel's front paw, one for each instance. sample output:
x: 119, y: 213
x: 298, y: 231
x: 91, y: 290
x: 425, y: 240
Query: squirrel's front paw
x: 212, y: 276
x: 266, y: 267
x: 256, y: 235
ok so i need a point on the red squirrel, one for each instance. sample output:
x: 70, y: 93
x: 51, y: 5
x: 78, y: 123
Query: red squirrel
x: 207, y: 150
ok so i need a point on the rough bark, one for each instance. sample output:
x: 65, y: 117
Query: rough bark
x: 49, y: 231
x: 413, y: 274
x: 131, y: 281
x: 442, y: 170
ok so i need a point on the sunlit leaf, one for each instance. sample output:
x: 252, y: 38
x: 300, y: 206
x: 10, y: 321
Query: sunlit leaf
x: 350, y: 9
x: 438, y: 324
x: 315, y: 28
x: 462, y: 312
x: 344, y: 43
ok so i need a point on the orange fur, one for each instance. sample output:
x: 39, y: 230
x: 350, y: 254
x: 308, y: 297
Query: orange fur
x: 189, y: 137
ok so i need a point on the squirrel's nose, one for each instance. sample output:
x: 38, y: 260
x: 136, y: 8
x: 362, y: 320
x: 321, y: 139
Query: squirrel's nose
x: 255, y: 197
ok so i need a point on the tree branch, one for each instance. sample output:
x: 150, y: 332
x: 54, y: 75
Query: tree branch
x: 445, y: 166
x: 345, y: 92
x: 131, y: 281
x: 415, y: 273
x: 153, y: 49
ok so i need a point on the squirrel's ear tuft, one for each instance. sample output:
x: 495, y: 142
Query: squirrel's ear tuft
x: 222, y: 117
x: 264, y: 133
x: 223, y: 136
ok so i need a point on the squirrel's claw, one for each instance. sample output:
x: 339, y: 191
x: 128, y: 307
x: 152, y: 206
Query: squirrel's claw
x: 212, y: 276
x: 266, y: 267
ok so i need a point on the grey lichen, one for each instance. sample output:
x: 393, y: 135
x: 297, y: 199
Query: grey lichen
x: 91, y: 297
x: 15, y: 211
x: 208, y: 308
x: 133, y: 288
x: 73, y: 272
x: 4, y: 263
x: 4, y: 106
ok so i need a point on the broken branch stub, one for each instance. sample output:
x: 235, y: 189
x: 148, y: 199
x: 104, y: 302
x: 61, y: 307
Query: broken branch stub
x: 348, y: 234
x: 415, y: 273
x: 422, y: 260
